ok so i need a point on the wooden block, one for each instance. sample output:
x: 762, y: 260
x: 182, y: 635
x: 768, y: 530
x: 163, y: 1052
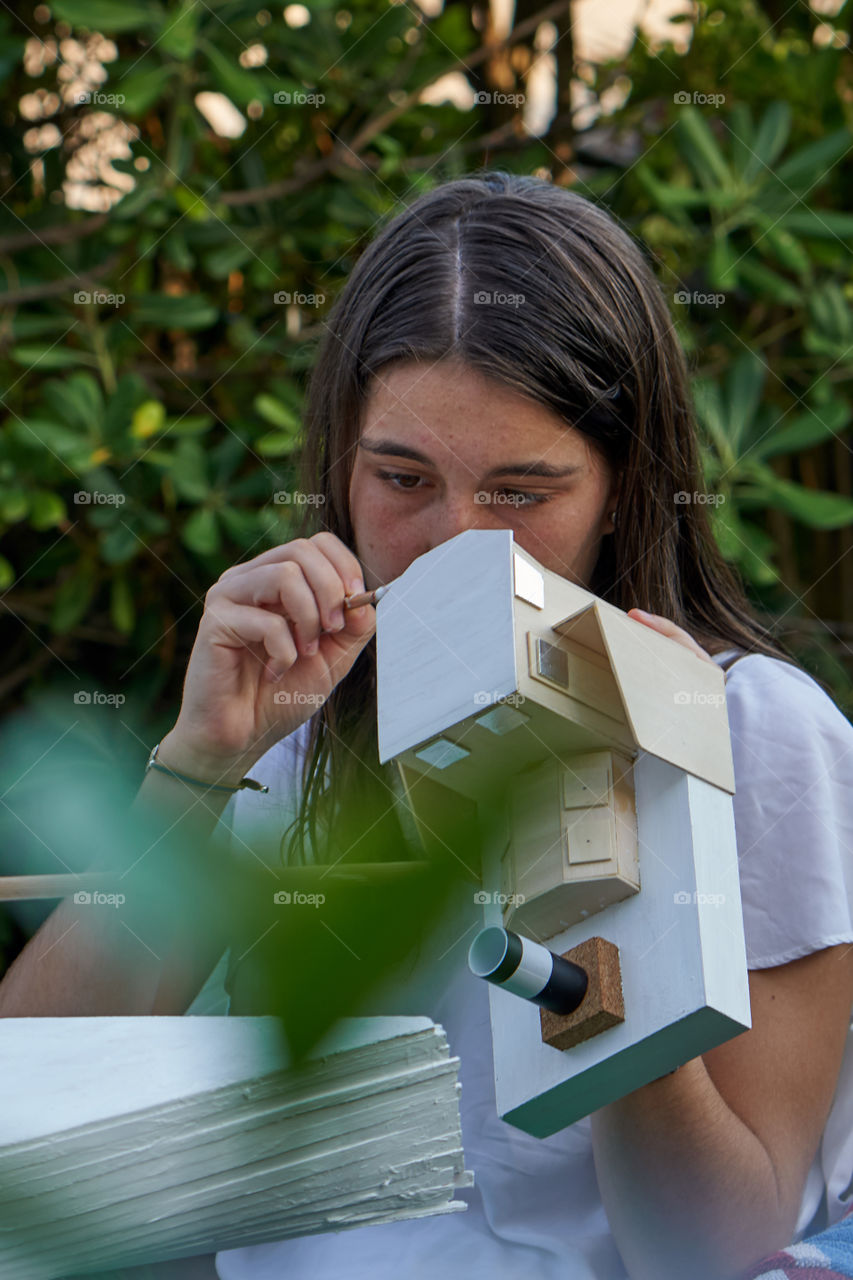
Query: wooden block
x: 601, y: 1007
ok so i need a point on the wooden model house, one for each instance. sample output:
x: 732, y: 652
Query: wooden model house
x: 597, y: 753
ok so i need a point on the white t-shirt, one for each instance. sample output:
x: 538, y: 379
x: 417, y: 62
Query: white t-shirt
x: 535, y: 1208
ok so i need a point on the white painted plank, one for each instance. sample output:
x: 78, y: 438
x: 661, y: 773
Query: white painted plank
x: 49, y: 1065
x: 234, y: 1146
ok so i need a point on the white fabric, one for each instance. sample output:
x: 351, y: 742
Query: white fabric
x: 535, y: 1209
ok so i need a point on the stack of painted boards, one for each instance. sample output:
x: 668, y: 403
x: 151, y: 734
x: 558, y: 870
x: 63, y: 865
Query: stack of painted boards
x: 132, y: 1140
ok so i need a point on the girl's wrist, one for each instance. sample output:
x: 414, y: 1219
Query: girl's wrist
x: 178, y: 754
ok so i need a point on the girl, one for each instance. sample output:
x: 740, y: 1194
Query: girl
x: 501, y: 357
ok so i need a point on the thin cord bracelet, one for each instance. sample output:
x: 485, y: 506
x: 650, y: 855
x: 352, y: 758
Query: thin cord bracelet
x: 196, y: 782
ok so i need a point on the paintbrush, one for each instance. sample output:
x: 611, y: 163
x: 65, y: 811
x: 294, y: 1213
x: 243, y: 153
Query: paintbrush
x: 365, y: 597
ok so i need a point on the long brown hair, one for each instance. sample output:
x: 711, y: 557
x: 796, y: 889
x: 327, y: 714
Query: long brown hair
x: 594, y: 342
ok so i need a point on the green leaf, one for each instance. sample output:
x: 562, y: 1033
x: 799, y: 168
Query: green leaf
x: 744, y: 544
x: 369, y: 46
x: 666, y: 196
x: 237, y: 83
x: 765, y: 282
x: 770, y: 138
x: 188, y: 470
x: 148, y: 419
x: 73, y: 597
x: 220, y: 262
x: 107, y: 16
x: 805, y: 430
x: 38, y: 433
x: 744, y: 385
x: 14, y: 504
x: 722, y: 264
x: 192, y: 311
x: 813, y: 507
x: 276, y: 413
x: 828, y: 307
x: 122, y: 607
x: 130, y: 391
x: 201, y: 532
x: 55, y: 357
x: 785, y: 248
x: 814, y: 162
x: 177, y: 250
x: 276, y: 444
x: 191, y: 424
x: 741, y: 138
x: 120, y: 544
x: 142, y: 88
x: 78, y: 400
x: 178, y: 36
x: 46, y: 509
x: 33, y: 326
x: 7, y: 574
x: 243, y: 526
x: 821, y: 224
x: 701, y: 149
x: 192, y: 203
x: 712, y: 413
x: 453, y: 30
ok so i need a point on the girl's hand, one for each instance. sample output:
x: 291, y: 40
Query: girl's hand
x: 667, y: 628
x: 273, y: 641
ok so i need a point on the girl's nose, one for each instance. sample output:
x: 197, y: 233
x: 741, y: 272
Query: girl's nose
x: 473, y: 510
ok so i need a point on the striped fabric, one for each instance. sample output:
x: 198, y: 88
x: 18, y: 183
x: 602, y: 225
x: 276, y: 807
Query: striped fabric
x: 825, y: 1256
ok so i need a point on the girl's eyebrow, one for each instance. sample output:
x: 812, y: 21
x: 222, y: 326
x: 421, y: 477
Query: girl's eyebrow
x: 544, y: 469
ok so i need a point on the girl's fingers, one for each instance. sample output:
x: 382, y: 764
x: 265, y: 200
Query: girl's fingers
x: 239, y: 625
x: 668, y: 628
x: 283, y: 589
x: 327, y: 544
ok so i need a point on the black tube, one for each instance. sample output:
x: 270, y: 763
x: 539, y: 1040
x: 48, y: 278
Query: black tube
x: 527, y: 969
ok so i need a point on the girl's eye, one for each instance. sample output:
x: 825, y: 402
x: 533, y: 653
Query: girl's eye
x: 503, y: 497
x: 391, y: 476
x: 518, y: 498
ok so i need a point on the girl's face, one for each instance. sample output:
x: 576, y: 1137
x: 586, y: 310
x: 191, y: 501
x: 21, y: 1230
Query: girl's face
x: 445, y: 449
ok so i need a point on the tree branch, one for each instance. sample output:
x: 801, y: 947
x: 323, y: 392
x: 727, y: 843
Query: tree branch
x: 63, y: 234
x: 55, y: 288
x: 343, y: 151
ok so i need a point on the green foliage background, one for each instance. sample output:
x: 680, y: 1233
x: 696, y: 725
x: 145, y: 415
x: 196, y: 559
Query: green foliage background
x: 180, y: 394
